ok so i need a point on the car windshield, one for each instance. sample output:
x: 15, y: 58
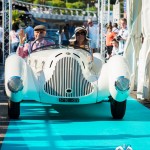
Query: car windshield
x: 53, y: 34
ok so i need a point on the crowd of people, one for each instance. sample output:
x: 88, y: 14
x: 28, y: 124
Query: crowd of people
x: 87, y: 35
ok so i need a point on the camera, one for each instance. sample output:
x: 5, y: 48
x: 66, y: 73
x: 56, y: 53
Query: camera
x: 118, y: 38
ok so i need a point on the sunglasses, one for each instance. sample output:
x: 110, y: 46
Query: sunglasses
x: 40, y: 31
x: 80, y: 33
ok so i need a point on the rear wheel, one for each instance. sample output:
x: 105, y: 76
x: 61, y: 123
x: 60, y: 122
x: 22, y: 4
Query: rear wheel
x: 13, y: 109
x: 117, y: 108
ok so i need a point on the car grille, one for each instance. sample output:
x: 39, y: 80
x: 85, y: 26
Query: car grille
x: 67, y: 80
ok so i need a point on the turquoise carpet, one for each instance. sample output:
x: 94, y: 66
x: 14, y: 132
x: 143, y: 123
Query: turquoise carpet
x: 88, y: 127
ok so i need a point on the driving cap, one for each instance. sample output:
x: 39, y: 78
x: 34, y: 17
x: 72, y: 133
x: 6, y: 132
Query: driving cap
x: 39, y: 27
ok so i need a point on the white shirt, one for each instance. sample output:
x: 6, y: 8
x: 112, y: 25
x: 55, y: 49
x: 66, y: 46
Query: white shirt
x: 124, y: 34
x: 93, y: 33
x: 116, y: 51
x: 14, y: 36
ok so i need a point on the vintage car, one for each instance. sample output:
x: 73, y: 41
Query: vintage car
x: 60, y: 75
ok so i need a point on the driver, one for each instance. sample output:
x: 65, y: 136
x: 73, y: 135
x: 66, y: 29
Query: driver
x: 24, y: 48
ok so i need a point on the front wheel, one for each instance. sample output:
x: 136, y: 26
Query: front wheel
x: 13, y: 109
x: 117, y: 108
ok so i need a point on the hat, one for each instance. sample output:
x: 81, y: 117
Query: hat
x: 39, y: 27
x: 22, y: 25
x: 77, y: 29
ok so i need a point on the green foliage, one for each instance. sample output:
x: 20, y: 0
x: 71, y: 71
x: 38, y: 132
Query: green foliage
x: 49, y: 3
x: 79, y: 5
x: 92, y: 8
x: 69, y: 5
x: 36, y: 2
x: 15, y: 15
x: 58, y: 3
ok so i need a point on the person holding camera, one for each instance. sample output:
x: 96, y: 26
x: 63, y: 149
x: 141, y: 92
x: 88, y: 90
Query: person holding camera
x: 123, y: 34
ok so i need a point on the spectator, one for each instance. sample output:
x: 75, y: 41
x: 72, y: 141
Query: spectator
x: 115, y: 28
x: 30, y: 31
x: 21, y: 26
x: 64, y: 40
x: 115, y: 50
x: 109, y: 37
x: 122, y: 34
x: 93, y: 34
x: 71, y: 29
x: 39, y: 34
x: 14, y: 37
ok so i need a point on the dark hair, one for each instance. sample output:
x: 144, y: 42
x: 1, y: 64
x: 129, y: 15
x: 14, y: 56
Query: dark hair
x: 109, y: 27
x: 115, y: 25
x: 15, y: 26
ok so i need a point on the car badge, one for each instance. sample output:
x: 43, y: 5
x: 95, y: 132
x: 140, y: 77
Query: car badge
x: 68, y: 53
x: 68, y: 91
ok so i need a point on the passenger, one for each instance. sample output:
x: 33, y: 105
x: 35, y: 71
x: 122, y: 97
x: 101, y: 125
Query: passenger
x: 79, y: 39
x: 25, y: 48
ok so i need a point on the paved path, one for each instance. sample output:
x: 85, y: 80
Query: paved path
x: 89, y: 128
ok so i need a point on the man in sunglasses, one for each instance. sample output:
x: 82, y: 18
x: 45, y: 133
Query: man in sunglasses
x: 25, y: 48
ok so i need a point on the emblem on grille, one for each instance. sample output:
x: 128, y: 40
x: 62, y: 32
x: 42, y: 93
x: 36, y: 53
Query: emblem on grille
x: 67, y: 53
x: 68, y: 91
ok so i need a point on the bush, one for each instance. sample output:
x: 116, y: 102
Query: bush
x: 48, y: 3
x: 69, y: 5
x: 79, y: 5
x: 58, y: 4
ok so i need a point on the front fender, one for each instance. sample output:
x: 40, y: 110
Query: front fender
x: 17, y: 66
x: 118, y: 66
x: 14, y: 66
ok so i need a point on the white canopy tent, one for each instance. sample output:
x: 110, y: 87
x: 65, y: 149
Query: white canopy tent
x: 143, y: 89
x: 138, y: 54
x: 133, y: 43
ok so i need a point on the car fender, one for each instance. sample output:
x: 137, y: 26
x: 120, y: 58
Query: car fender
x: 19, y: 68
x: 118, y: 66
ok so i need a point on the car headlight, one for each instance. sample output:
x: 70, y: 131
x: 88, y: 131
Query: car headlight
x: 15, y: 84
x: 122, y: 83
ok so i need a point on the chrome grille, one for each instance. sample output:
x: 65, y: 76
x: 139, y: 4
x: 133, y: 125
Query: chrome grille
x: 67, y: 80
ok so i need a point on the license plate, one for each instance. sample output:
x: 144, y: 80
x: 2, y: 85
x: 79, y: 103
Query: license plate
x: 69, y: 100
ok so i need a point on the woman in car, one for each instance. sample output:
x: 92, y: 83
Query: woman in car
x: 79, y: 39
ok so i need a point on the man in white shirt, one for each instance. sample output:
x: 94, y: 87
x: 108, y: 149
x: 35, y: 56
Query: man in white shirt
x: 122, y: 34
x: 93, y: 34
